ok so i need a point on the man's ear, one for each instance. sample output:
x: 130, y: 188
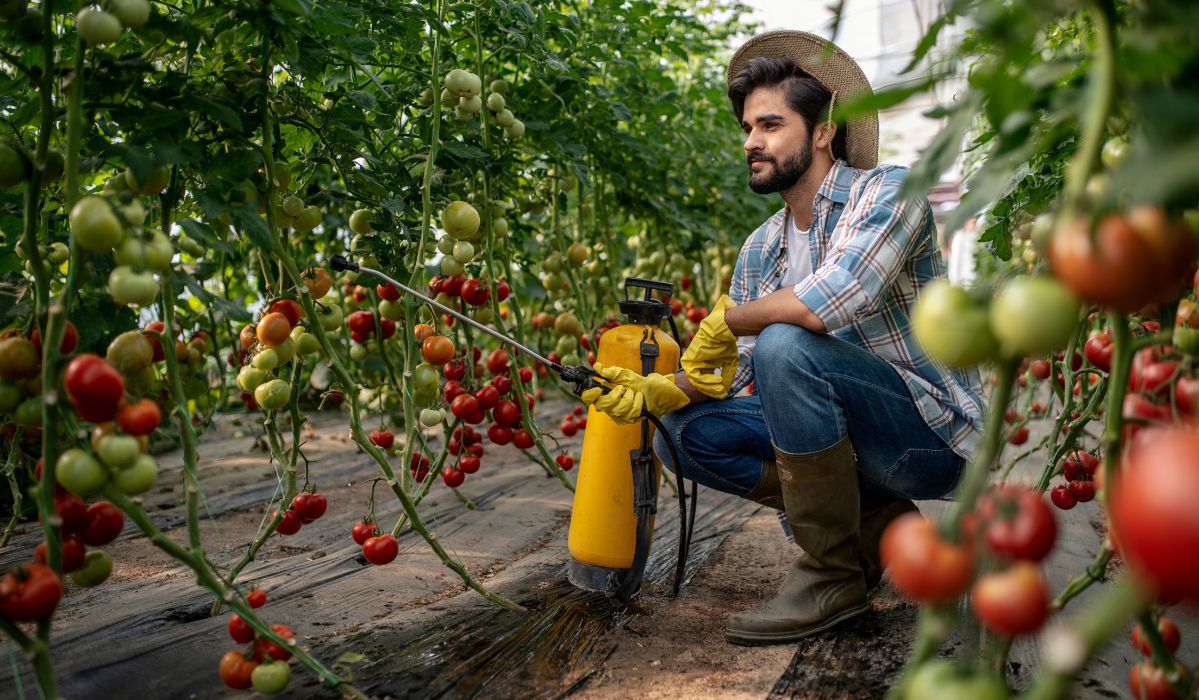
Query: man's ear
x: 825, y: 134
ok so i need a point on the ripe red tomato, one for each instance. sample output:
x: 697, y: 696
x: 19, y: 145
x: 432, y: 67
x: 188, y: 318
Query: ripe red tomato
x: 1019, y: 436
x: 361, y: 322
x: 506, y: 413
x: 1098, y: 349
x: 1153, y: 511
x: 387, y: 291
x: 469, y: 464
x: 70, y: 507
x: 499, y: 434
x: 1040, y: 369
x: 568, y: 426
x: 239, y: 629
x: 565, y: 461
x: 1079, y: 464
x: 1062, y: 498
x: 70, y: 339
x: 94, y: 386
x: 104, y: 522
x: 1150, y: 374
x: 502, y: 290
x: 387, y: 328
x: 1083, y: 491
x: 29, y: 592
x: 1011, y: 602
x: 73, y: 553
x: 526, y: 375
x: 309, y: 506
x: 290, y: 524
x: 522, y: 439
x: 268, y: 648
x: 464, y: 406
x: 488, y: 397
x: 256, y: 598
x: 1148, y: 682
x: 921, y: 564
x: 364, y: 530
x: 475, y: 292
x: 1186, y: 395
x: 381, y: 549
x: 140, y: 418
x: 497, y: 361
x: 1167, y: 629
x: 382, y: 438
x: 452, y: 285
x: 455, y: 370
x: 453, y: 477
x: 236, y: 669
x: 696, y: 314
x: 1019, y: 524
x: 437, y: 349
x: 291, y: 310
x: 503, y: 384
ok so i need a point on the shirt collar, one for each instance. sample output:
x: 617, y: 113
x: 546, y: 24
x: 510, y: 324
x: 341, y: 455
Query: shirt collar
x: 837, y: 182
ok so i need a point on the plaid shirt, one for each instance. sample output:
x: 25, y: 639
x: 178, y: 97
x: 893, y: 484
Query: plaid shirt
x: 868, y: 268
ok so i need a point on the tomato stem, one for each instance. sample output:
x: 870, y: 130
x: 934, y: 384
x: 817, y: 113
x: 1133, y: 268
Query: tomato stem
x: 1099, y: 105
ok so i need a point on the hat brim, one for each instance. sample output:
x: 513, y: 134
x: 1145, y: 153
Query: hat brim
x: 830, y: 65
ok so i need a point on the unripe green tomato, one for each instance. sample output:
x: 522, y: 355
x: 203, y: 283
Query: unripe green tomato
x: 445, y: 244
x: 330, y: 316
x: 360, y: 221
x: 553, y: 281
x: 426, y: 379
x: 577, y: 253
x: 571, y: 359
x: 496, y: 102
x: 58, y: 253
x: 128, y: 286
x: 308, y: 219
x: 463, y: 115
x: 248, y: 378
x: 448, y: 98
x: 426, y: 98
x: 391, y: 310
x: 430, y: 417
x: 460, y: 220
x: 29, y: 413
x: 308, y: 344
x: 94, y: 225
x: 500, y: 85
x: 472, y: 104
x: 13, y: 166
x: 273, y: 395
x: 158, y: 251
x: 484, y: 315
x: 505, y: 118
x: 1114, y: 150
x: 97, y: 27
x: 500, y: 226
x: 566, y: 344
x: 516, y: 130
x: 137, y: 478
x: 450, y: 266
x: 155, y: 182
x: 266, y: 360
x: 444, y: 299
x: 118, y: 451
x: 1033, y: 316
x: 292, y: 205
x: 464, y: 251
x: 191, y: 246
x: 271, y: 678
x: 10, y: 398
x: 358, y: 353
x: 132, y: 13
x: 134, y: 213
x: 552, y: 263
x: 595, y: 268
x: 286, y: 350
x: 424, y: 400
x: 951, y: 327
x: 79, y: 472
x: 97, y: 567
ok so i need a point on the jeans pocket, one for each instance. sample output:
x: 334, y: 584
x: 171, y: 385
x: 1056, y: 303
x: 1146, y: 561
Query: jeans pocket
x: 924, y: 474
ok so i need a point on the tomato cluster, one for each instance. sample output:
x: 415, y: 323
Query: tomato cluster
x: 306, y: 507
x: 275, y: 340
x: 264, y: 665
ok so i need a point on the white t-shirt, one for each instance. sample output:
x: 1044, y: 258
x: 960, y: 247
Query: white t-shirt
x: 799, y: 268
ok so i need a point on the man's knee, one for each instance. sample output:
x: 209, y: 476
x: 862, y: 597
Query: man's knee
x: 783, y: 348
x: 661, y: 449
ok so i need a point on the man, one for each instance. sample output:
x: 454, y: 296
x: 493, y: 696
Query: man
x: 849, y: 419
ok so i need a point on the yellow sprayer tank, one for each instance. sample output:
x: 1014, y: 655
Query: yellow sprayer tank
x: 602, y: 523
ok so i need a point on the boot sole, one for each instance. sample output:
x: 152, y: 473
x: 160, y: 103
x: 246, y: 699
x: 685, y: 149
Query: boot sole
x: 762, y: 638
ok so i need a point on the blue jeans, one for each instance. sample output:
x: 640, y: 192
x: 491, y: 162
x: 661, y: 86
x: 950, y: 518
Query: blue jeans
x: 812, y: 390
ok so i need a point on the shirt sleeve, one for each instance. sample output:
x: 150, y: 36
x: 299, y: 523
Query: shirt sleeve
x: 864, y: 261
x: 739, y: 293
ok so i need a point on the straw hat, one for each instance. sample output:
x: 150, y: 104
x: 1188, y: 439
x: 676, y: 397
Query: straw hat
x: 836, y: 70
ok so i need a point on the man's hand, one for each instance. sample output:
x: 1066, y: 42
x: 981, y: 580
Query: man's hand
x: 631, y: 392
x: 714, y: 347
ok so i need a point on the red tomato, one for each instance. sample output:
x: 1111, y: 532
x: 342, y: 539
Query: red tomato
x: 104, y: 522
x: 1153, y: 511
x: 364, y: 530
x: 256, y: 598
x: 381, y: 549
x: 361, y: 322
x: 239, y: 629
x: 1079, y: 464
x: 453, y: 477
x: 382, y: 438
x: 73, y: 553
x: 1148, y: 682
x: 488, y: 397
x: 565, y: 461
x: 30, y: 592
x: 1149, y: 375
x: 387, y: 328
x: 94, y: 386
x: 1166, y: 629
x: 502, y: 290
x: 1186, y: 395
x: 522, y: 439
x: 526, y: 375
x: 268, y: 648
x: 696, y: 314
x: 70, y: 339
x: 568, y: 426
x: 291, y: 310
x: 497, y: 361
x: 290, y: 524
x: 1019, y: 524
x: 437, y: 349
x: 1082, y: 491
x: 1019, y: 436
x: 922, y: 565
x: 1098, y: 349
x: 1040, y: 369
x: 475, y: 292
x: 455, y: 370
x: 236, y: 670
x: 140, y: 418
x: 160, y: 327
x: 499, y: 434
x: 503, y: 384
x: 464, y: 406
x: 309, y: 506
x: 1062, y: 498
x: 453, y: 285
x: 387, y: 291
x: 469, y: 464
x: 71, y: 508
x: 506, y: 413
x: 1011, y: 602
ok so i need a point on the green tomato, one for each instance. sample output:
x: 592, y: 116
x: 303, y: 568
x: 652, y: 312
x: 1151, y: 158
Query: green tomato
x: 58, y: 253
x: 266, y: 359
x: 29, y: 413
x: 137, y: 478
x: 118, y: 451
x: 360, y: 221
x: 566, y: 344
x: 13, y: 166
x: 484, y: 314
x: 515, y: 130
x: 140, y: 381
x: 460, y: 220
x: 271, y: 678
x: 10, y: 397
x: 358, y: 352
x: 79, y: 472
x: 450, y: 266
x: 553, y: 281
x: 552, y: 263
x: 496, y: 102
x: 285, y: 351
x: 577, y: 253
x: 501, y: 86
x: 293, y: 205
x: 308, y: 219
x: 97, y: 27
x: 273, y: 395
x: 159, y: 251
x: 1185, y: 339
x: 940, y: 680
x: 430, y: 417
x: 426, y: 379
x: 464, y: 251
x: 445, y: 244
x: 505, y: 118
x: 330, y: 316
x: 248, y: 378
x: 308, y: 344
x: 128, y: 286
x: 500, y: 226
x: 97, y: 567
x: 134, y: 213
x: 424, y: 399
x: 951, y: 327
x: 93, y: 223
x: 1034, y: 316
x: 391, y: 310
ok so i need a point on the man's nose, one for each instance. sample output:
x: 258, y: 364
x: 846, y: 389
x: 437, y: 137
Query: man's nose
x: 753, y: 142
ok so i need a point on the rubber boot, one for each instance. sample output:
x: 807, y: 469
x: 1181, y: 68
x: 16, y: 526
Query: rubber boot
x: 874, y: 522
x: 826, y: 585
x: 767, y: 492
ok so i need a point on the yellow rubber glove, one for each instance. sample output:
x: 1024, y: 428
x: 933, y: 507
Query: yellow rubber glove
x: 713, y: 348
x: 631, y: 392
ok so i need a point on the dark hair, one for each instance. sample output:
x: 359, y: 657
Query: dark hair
x: 804, y: 94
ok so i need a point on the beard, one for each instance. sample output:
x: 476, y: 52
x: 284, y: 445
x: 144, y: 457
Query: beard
x: 780, y: 177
